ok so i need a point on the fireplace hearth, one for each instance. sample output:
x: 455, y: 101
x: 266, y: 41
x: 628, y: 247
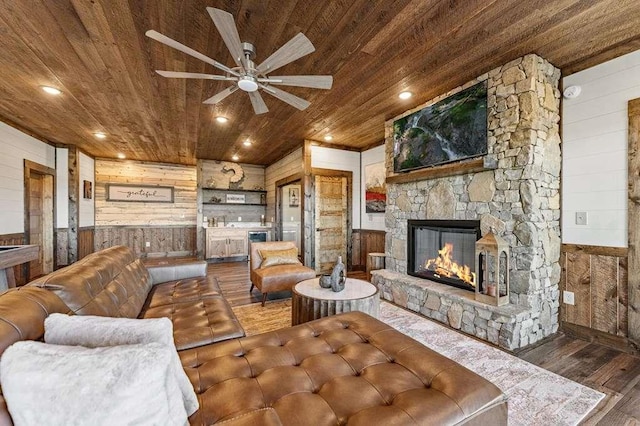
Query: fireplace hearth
x: 443, y: 251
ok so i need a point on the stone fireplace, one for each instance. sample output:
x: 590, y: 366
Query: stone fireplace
x: 514, y: 192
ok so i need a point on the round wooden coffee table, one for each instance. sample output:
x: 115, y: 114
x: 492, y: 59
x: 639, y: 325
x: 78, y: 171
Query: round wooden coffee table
x: 310, y: 301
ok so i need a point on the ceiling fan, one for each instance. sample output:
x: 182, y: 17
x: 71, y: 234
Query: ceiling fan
x: 246, y: 75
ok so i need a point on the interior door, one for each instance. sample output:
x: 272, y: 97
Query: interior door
x: 39, y: 187
x: 35, y: 222
x: 331, y: 216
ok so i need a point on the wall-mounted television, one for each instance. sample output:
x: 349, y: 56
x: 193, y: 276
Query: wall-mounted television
x: 452, y: 129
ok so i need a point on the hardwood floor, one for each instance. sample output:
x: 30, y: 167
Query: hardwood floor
x: 612, y: 372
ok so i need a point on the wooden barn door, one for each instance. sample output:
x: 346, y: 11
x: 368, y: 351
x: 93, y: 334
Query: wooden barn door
x: 331, y: 221
x: 39, y: 187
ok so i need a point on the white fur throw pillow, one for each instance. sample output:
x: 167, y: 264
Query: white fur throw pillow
x: 93, y: 332
x: 47, y: 384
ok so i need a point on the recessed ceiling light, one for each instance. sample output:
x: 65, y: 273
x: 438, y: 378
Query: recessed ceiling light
x: 328, y: 138
x: 121, y: 156
x: 405, y: 95
x: 51, y: 90
x: 221, y: 119
x: 235, y: 157
x: 100, y: 135
x: 247, y: 142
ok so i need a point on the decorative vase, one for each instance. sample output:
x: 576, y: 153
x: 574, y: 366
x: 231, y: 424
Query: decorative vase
x: 325, y: 281
x: 338, y: 276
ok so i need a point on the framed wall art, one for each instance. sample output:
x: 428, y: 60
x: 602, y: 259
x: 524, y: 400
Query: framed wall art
x: 139, y: 193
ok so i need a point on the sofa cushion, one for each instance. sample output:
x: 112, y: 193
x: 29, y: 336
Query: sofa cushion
x: 347, y: 368
x: 65, y: 385
x: 110, y: 282
x: 198, y: 322
x: 184, y: 290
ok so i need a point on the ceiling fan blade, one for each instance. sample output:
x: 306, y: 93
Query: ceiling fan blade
x: 227, y: 28
x: 295, y: 48
x: 287, y: 97
x: 258, y: 103
x: 221, y: 95
x: 179, y: 74
x: 189, y: 51
x: 314, y: 81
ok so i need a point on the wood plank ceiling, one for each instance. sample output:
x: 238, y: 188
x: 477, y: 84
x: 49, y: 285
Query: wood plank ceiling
x: 97, y: 54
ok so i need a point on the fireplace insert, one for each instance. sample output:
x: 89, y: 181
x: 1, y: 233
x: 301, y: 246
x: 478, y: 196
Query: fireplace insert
x: 443, y: 251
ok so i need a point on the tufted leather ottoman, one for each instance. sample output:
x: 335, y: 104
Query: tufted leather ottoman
x: 348, y: 368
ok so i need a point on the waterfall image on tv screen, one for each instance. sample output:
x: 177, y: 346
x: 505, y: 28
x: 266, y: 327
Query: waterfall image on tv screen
x: 449, y: 130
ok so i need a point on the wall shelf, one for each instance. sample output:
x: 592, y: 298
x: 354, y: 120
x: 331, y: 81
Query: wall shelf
x: 233, y: 204
x: 235, y: 190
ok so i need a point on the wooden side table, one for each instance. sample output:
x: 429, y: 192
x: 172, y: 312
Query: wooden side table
x: 374, y: 261
x: 310, y: 301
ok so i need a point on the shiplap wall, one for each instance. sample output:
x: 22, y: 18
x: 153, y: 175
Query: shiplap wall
x: 15, y: 147
x: 594, y: 151
x: 337, y: 159
x: 86, y: 206
x: 181, y: 212
x: 374, y: 221
x: 287, y: 166
x: 62, y: 188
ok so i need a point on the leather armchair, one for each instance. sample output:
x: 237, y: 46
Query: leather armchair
x: 277, y: 277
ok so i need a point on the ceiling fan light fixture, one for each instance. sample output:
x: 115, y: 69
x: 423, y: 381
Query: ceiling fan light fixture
x: 248, y: 83
x: 235, y: 157
x: 405, y: 95
x: 221, y: 119
x: 51, y: 90
x: 100, y: 135
x: 246, y: 142
x: 328, y: 138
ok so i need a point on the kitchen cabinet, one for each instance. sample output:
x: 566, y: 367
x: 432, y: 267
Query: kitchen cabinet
x: 225, y: 242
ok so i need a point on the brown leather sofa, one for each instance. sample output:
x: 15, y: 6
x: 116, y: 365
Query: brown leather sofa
x: 345, y: 369
x: 277, y: 277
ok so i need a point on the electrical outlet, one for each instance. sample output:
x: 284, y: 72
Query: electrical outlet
x: 239, y: 218
x: 147, y: 244
x: 581, y: 218
x: 567, y: 298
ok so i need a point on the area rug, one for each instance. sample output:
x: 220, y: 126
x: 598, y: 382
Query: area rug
x: 536, y: 396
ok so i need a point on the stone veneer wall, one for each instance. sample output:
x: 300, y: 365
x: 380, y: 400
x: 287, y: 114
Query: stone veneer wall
x: 517, y: 196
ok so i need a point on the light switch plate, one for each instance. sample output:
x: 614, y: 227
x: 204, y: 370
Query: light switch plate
x: 147, y: 244
x: 568, y: 298
x: 581, y: 218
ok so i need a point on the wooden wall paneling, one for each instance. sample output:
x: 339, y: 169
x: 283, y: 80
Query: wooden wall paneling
x: 578, y: 281
x: 634, y: 221
x: 85, y: 242
x: 356, y: 251
x: 183, y: 211
x: 604, y: 293
x: 562, y: 285
x: 163, y: 240
x: 623, y: 297
x: 291, y: 164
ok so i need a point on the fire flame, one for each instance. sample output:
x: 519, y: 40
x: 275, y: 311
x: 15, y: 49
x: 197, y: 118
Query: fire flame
x: 446, y: 266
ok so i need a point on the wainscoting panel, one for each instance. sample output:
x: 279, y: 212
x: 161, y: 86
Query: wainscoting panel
x: 85, y: 242
x: 598, y: 278
x: 19, y: 271
x: 363, y: 242
x: 163, y: 240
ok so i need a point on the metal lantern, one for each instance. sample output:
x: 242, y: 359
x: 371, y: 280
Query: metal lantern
x: 492, y: 269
